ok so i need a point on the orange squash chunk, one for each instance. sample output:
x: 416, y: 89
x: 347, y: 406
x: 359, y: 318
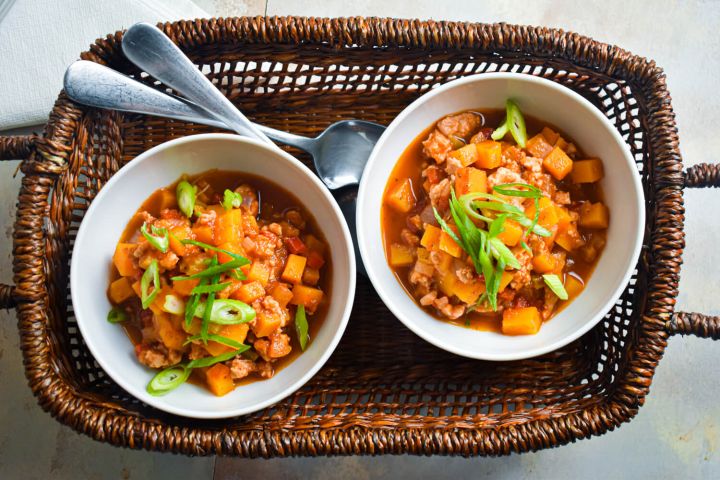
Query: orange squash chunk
x: 282, y: 293
x: 573, y: 286
x: 550, y: 135
x: 466, y: 155
x: 448, y: 245
x: 470, y: 179
x: 400, y: 196
x: 204, y: 233
x: 431, y: 237
x: 249, y: 292
x: 228, y: 227
x: 233, y: 332
x: 548, y: 213
x: 543, y: 263
x: 558, y: 163
x: 587, y: 171
x: 594, y: 215
x: 489, y: 154
x: 120, y: 290
x: 294, y: 268
x: 400, y: 255
x: 468, y: 292
x: 512, y: 233
x: 218, y: 379
x: 538, y: 146
x: 308, y: 296
x: 521, y: 321
x: 230, y: 247
x: 123, y: 259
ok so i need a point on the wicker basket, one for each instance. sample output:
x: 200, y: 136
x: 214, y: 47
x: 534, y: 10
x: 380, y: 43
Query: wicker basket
x: 384, y: 390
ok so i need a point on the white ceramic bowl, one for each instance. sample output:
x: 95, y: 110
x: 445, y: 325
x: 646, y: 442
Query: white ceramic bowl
x: 575, y: 116
x: 103, y: 225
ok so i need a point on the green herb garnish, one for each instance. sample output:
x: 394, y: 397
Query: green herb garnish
x: 200, y: 289
x: 231, y: 200
x: 152, y: 274
x: 208, y: 361
x: 186, y: 194
x: 301, y: 326
x: 168, y: 380
x: 215, y: 338
x: 159, y: 238
x: 513, y: 123
x: 555, y: 284
x: 117, y: 315
x: 226, y: 311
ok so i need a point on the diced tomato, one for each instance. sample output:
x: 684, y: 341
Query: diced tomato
x: 296, y: 246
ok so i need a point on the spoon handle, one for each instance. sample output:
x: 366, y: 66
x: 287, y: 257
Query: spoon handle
x: 98, y: 86
x: 150, y: 49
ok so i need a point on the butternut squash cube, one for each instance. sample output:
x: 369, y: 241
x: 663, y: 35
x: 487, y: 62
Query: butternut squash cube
x: 538, y: 146
x: 400, y: 196
x: 550, y: 135
x: 448, y: 245
x: 557, y: 163
x: 431, y: 237
x: 123, y: 259
x: 573, y: 286
x: 308, y: 296
x: 120, y: 290
x: 470, y: 179
x: 282, y: 293
x: 587, y: 171
x: 543, y: 263
x: 228, y: 227
x: 293, y: 269
x: 249, y: 292
x: 468, y: 292
x: 489, y: 154
x: 466, y: 155
x: 400, y: 255
x: 260, y: 272
x: 218, y: 379
x: 594, y: 215
x: 521, y: 321
x: 512, y: 233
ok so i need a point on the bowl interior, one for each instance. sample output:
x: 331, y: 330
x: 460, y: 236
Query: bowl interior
x: 103, y: 225
x: 575, y: 116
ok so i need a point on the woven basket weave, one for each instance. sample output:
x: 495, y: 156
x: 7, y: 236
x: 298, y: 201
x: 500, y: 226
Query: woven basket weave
x: 384, y: 390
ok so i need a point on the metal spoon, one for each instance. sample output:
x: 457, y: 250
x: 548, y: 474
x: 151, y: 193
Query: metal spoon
x: 339, y: 153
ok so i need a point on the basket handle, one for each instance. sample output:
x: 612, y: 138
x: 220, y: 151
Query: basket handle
x: 703, y: 175
x: 13, y: 148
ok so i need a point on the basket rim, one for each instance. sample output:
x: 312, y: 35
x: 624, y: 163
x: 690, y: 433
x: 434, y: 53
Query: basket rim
x: 118, y: 427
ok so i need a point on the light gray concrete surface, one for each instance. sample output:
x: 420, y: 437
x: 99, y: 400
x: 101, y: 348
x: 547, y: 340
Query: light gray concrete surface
x: 677, y: 432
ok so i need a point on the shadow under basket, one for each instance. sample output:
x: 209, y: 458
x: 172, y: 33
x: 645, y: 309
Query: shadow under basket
x: 384, y: 390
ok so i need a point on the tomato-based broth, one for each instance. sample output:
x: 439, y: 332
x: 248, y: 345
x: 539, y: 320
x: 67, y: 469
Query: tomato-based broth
x: 456, y: 155
x: 288, y: 265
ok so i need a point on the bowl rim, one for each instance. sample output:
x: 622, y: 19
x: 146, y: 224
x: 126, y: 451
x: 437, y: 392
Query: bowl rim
x: 406, y: 317
x: 157, y: 402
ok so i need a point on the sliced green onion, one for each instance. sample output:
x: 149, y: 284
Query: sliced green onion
x: 234, y: 256
x: 501, y: 131
x: 208, y: 361
x: 497, y: 226
x: 503, y: 253
x: 209, y: 304
x: 215, y: 338
x: 117, y: 315
x: 469, y: 203
x: 231, y: 200
x: 200, y: 289
x: 226, y: 311
x: 160, y: 239
x: 514, y: 190
x: 186, y: 194
x: 516, y: 123
x: 237, y: 274
x: 192, y: 304
x: 212, y: 271
x: 555, y: 284
x: 301, y: 326
x: 174, y: 305
x: 152, y: 274
x: 168, y: 380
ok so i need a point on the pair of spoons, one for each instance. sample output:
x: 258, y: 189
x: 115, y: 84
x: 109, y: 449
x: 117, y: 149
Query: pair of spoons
x: 339, y: 153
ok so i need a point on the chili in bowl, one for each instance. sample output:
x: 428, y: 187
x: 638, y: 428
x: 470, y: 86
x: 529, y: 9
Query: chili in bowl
x: 212, y: 276
x: 511, y: 216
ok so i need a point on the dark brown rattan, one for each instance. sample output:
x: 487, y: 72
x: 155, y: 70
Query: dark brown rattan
x: 384, y: 390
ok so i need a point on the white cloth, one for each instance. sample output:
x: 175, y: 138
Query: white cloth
x: 40, y: 38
